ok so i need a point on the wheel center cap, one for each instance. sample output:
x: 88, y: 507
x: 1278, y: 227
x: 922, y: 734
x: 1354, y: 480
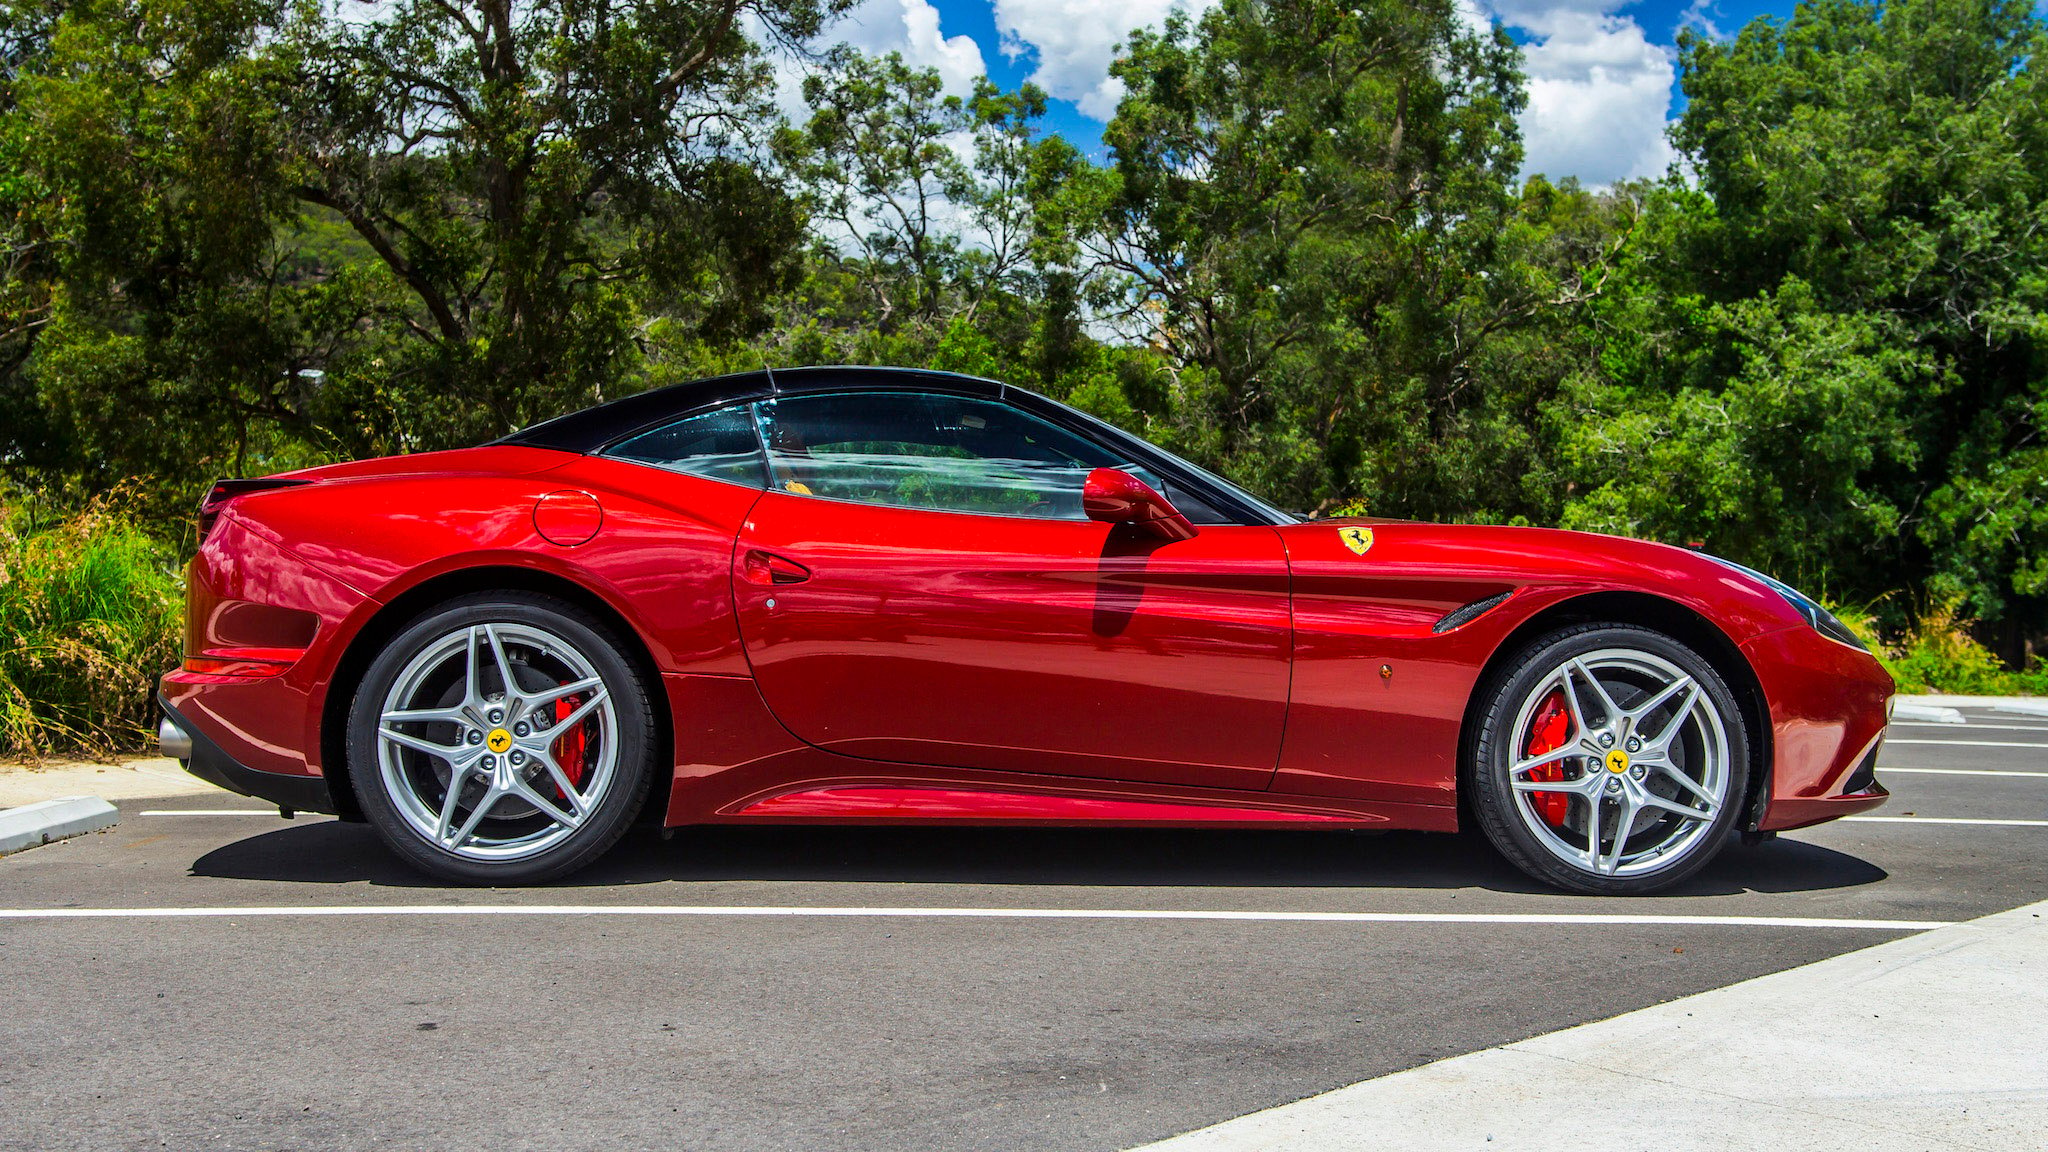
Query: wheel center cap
x: 498, y: 740
x: 1617, y: 761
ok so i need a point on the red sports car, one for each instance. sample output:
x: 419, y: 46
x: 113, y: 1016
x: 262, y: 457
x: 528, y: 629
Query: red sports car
x: 876, y: 596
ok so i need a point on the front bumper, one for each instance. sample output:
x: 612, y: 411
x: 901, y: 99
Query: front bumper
x: 208, y: 761
x: 1828, y: 705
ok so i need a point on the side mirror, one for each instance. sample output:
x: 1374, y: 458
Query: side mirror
x: 1112, y: 496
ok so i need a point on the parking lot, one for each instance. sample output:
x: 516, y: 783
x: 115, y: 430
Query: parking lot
x: 288, y: 985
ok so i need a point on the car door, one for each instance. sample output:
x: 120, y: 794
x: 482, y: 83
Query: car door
x: 920, y: 585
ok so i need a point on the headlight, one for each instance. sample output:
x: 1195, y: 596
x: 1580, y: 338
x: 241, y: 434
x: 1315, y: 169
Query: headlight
x: 1823, y: 621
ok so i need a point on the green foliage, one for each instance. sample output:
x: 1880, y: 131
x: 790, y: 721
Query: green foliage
x: 1304, y: 204
x: 238, y: 236
x: 89, y: 615
x: 245, y: 233
x: 1937, y: 653
x: 1831, y: 359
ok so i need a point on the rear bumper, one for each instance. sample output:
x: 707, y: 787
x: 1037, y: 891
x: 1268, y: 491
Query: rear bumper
x: 211, y: 763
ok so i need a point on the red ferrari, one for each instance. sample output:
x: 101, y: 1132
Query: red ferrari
x: 876, y: 596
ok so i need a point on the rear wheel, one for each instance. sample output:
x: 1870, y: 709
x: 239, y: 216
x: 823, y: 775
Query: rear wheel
x: 1610, y: 760
x: 501, y: 739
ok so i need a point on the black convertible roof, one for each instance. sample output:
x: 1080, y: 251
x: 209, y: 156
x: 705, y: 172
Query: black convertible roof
x: 598, y: 427
x: 593, y: 428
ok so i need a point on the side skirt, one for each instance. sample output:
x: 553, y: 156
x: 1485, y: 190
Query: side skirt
x: 737, y: 765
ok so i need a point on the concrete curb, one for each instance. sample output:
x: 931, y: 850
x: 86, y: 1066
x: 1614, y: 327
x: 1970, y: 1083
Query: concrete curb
x: 2002, y: 703
x: 1934, y: 1042
x: 33, y: 825
x: 1927, y: 713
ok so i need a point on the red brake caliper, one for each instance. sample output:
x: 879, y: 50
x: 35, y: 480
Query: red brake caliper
x: 570, y: 747
x: 1552, y: 727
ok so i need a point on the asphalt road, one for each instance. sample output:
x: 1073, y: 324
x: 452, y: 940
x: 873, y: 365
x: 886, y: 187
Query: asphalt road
x: 718, y: 1031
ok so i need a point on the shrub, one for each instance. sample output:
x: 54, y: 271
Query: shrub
x: 1936, y: 652
x: 89, y: 617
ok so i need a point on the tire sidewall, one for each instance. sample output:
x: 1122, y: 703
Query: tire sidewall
x: 1487, y: 772
x: 614, y: 811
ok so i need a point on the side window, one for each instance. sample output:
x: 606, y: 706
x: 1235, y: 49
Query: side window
x: 719, y: 445
x: 913, y: 450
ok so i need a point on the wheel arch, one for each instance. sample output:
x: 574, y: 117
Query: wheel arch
x: 1658, y: 614
x: 407, y: 606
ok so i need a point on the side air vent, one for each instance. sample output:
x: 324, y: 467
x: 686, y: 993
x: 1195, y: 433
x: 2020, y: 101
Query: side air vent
x: 1459, y: 617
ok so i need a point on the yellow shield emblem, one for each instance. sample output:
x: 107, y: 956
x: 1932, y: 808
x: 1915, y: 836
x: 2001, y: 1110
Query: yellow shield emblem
x: 1359, y: 540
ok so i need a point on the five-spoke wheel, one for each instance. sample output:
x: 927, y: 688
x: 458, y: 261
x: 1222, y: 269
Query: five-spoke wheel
x: 501, y: 739
x: 1610, y: 759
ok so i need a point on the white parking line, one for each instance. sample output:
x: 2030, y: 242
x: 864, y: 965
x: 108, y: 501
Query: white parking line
x: 1536, y: 918
x: 1973, y: 743
x: 2043, y: 728
x: 270, y: 812
x: 1945, y: 820
x: 1960, y: 772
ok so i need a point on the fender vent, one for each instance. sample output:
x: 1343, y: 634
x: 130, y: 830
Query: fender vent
x: 1459, y: 617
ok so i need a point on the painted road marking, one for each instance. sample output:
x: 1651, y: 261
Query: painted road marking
x: 1977, y: 727
x: 1973, y: 743
x: 270, y: 812
x: 1537, y: 918
x: 1962, y: 772
x: 959, y: 913
x: 1945, y: 820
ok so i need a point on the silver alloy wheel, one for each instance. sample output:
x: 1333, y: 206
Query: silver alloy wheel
x: 1644, y: 769
x: 470, y: 741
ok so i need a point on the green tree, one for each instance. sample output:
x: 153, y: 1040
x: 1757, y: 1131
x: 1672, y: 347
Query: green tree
x: 520, y: 168
x: 147, y: 318
x: 1303, y: 202
x: 929, y: 201
x: 244, y: 232
x: 1832, y: 359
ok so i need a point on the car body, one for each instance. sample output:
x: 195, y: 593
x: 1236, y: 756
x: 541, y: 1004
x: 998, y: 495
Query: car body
x: 822, y: 659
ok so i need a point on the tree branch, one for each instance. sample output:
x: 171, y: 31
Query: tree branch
x: 706, y: 51
x: 436, y: 303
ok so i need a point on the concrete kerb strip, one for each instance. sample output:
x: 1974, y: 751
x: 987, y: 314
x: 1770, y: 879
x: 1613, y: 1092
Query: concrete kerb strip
x: 143, y: 779
x: 1927, y: 714
x: 2029, y: 705
x: 1936, y: 1041
x: 33, y: 825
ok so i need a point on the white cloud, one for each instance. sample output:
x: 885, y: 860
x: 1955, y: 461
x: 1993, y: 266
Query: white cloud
x: 1699, y: 15
x: 875, y: 27
x: 912, y: 28
x: 1599, y: 92
x: 1074, y: 41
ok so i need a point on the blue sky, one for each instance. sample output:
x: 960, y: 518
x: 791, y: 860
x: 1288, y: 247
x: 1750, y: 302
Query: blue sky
x: 1602, y: 74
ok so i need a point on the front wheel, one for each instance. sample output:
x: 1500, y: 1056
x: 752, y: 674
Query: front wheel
x: 1610, y: 760
x: 501, y: 739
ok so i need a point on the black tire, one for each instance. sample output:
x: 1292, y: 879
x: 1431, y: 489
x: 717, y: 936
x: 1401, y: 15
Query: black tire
x: 1538, y: 844
x: 393, y: 783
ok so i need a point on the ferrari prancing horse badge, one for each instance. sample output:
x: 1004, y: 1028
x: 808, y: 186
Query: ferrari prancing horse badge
x: 1356, y: 539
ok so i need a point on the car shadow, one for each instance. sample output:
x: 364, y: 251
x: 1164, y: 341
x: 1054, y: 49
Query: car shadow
x: 331, y: 852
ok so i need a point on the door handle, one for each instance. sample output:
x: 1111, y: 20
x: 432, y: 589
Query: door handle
x: 758, y: 567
